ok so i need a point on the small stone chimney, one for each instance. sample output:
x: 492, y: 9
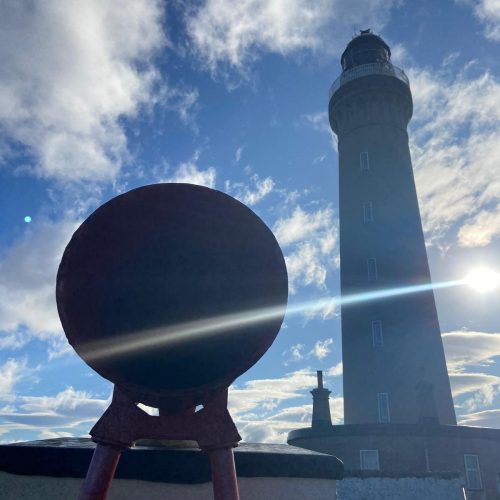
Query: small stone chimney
x: 321, y: 408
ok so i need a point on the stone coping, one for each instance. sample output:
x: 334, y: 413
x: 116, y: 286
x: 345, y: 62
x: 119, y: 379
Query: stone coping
x: 424, y: 430
x: 368, y: 474
x: 70, y: 457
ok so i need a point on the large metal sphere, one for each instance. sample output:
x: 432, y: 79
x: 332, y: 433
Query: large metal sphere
x: 171, y: 291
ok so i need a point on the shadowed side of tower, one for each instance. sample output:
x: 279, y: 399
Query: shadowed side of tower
x: 393, y: 357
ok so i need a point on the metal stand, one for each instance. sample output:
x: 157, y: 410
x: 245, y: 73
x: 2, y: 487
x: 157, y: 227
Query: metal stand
x: 123, y: 423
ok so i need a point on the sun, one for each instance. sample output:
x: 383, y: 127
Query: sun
x: 483, y: 279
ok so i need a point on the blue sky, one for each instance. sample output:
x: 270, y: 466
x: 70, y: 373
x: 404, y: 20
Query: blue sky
x: 99, y: 97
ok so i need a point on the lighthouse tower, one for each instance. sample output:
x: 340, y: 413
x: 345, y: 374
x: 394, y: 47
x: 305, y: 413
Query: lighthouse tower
x: 399, y: 419
x: 394, y: 364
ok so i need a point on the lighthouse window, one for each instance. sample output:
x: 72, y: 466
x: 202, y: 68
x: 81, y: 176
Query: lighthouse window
x: 368, y: 211
x: 372, y: 269
x: 369, y: 460
x: 378, y: 339
x: 383, y: 408
x: 364, y: 161
x: 472, y: 472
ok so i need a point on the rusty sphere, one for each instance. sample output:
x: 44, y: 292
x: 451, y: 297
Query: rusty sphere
x: 171, y: 291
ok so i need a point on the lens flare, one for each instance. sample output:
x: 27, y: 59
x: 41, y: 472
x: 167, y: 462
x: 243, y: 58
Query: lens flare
x: 482, y: 279
x: 185, y: 332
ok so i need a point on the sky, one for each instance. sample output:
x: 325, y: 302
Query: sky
x: 102, y: 96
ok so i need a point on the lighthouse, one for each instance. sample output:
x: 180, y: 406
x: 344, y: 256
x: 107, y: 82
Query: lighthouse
x: 399, y: 418
x: 393, y: 357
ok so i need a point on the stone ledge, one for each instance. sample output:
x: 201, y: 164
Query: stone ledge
x: 424, y: 430
x: 67, y: 457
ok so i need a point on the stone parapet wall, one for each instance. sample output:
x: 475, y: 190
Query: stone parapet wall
x: 407, y: 488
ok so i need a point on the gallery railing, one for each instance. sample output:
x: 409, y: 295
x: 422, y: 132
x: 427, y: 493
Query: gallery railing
x: 365, y: 70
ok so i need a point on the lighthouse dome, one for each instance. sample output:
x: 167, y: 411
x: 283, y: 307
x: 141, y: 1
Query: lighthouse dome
x: 364, y: 49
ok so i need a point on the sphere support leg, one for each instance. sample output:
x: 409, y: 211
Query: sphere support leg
x: 100, y: 473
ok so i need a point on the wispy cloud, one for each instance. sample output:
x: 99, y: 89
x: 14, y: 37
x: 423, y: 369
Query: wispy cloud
x: 294, y: 354
x: 182, y: 100
x: 468, y: 382
x: 225, y: 32
x: 488, y: 13
x: 265, y: 394
x: 70, y: 73
x: 336, y: 370
x: 319, y: 121
x: 10, y: 374
x: 310, y: 240
x: 260, y: 406
x: 456, y: 152
x: 464, y: 348
x: 322, y: 348
x: 467, y: 356
x: 62, y: 414
x: 253, y: 193
x: 302, y: 225
x: 27, y: 278
x: 320, y: 351
x: 485, y: 418
x: 190, y: 173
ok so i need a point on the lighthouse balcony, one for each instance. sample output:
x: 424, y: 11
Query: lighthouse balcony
x: 376, y: 68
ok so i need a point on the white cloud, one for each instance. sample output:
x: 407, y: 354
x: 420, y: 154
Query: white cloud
x: 183, y: 101
x: 466, y: 382
x: 260, y: 410
x: 305, y: 267
x: 465, y: 351
x: 235, y: 33
x: 238, y: 154
x: 335, y: 370
x: 482, y: 398
x: 318, y: 121
x: 302, y: 225
x: 250, y: 195
x: 265, y: 394
x: 295, y: 353
x: 47, y: 434
x: 313, y: 237
x: 486, y: 418
x: 456, y: 151
x: 322, y: 348
x: 28, y: 278
x: 488, y: 12
x: 275, y: 428
x: 10, y: 373
x: 67, y: 410
x: 69, y: 402
x: 13, y: 341
x: 464, y: 348
x: 480, y: 231
x: 189, y: 173
x: 70, y: 72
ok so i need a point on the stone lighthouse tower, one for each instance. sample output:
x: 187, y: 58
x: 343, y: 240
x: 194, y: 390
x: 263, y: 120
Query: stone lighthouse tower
x: 399, y: 419
x: 394, y: 364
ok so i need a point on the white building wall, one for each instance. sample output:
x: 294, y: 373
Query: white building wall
x: 14, y: 487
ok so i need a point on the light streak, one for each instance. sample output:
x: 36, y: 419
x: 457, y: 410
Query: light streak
x: 185, y: 332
